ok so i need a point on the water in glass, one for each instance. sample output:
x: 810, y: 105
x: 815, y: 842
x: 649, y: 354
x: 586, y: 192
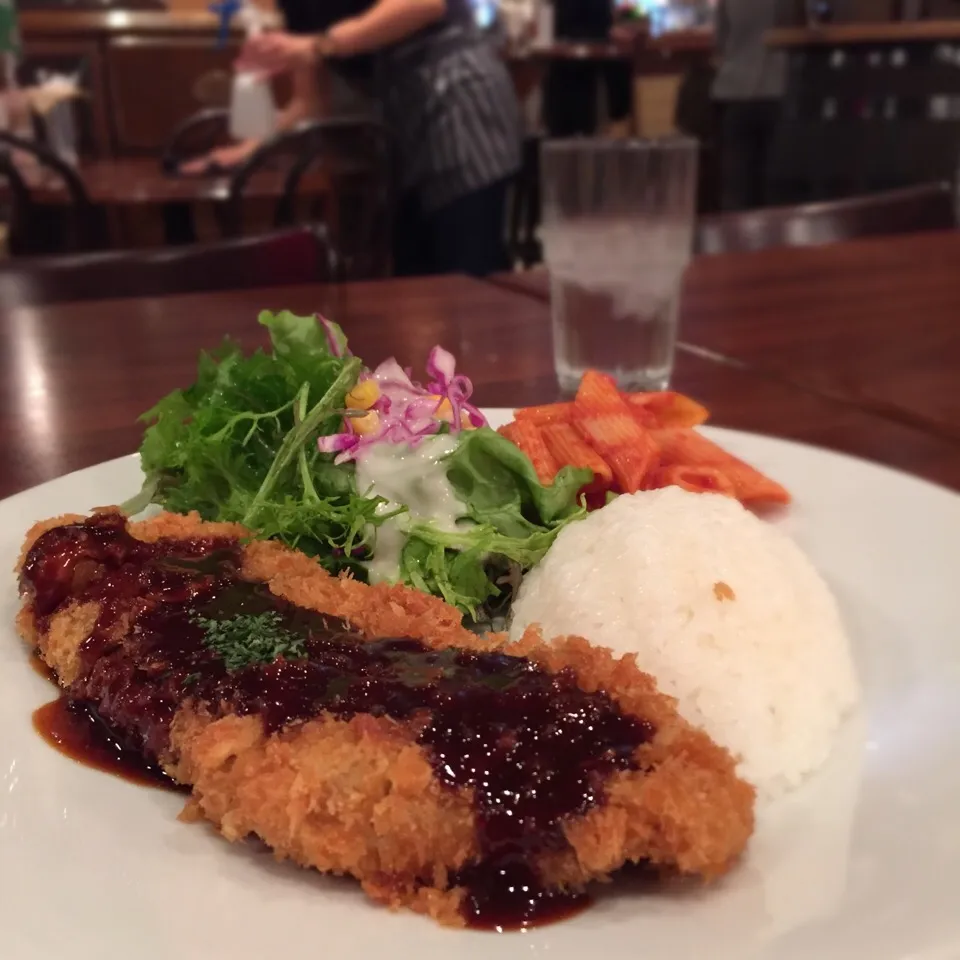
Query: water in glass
x: 617, y: 234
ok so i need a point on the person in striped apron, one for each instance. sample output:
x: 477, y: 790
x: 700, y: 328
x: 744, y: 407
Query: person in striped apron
x: 749, y: 87
x: 445, y: 96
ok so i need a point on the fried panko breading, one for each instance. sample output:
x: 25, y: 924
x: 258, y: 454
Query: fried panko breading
x: 359, y: 796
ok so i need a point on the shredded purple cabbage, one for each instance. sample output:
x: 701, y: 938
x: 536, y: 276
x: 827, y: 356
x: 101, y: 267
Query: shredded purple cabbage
x: 333, y: 343
x: 407, y: 411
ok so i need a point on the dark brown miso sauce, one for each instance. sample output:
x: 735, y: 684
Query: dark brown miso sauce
x: 75, y: 731
x: 532, y: 748
x: 504, y: 895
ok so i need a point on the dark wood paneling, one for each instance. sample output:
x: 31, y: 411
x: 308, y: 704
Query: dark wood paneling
x: 94, y: 6
x: 112, y: 23
x: 881, y: 32
x: 153, y: 86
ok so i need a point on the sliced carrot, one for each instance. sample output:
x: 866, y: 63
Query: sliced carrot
x: 630, y: 450
x: 569, y: 448
x: 528, y: 438
x: 598, y: 393
x: 666, y: 408
x: 683, y: 447
x: 547, y: 413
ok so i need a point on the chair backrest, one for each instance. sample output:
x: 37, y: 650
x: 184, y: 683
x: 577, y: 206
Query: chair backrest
x: 353, y: 154
x: 288, y: 257
x: 81, y: 62
x: 31, y: 231
x: 198, y: 134
x: 911, y: 210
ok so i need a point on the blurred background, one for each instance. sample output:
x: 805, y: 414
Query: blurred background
x: 121, y: 130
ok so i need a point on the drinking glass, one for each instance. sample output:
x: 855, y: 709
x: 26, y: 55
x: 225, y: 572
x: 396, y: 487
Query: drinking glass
x: 617, y: 232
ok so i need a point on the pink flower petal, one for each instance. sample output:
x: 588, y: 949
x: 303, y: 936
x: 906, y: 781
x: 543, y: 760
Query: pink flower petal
x: 335, y: 442
x: 332, y: 343
x: 477, y: 419
x: 441, y: 365
x: 391, y: 374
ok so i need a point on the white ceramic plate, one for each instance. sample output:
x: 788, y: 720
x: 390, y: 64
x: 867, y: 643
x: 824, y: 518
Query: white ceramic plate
x: 862, y: 862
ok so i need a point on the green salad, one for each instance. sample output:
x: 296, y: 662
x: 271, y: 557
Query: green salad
x: 365, y: 469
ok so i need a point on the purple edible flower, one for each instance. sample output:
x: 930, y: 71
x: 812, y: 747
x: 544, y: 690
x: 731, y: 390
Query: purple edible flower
x: 407, y: 412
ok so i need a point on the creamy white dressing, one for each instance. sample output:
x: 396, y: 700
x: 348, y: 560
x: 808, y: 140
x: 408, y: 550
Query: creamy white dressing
x: 415, y: 478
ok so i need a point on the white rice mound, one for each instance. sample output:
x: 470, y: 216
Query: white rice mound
x: 722, y: 608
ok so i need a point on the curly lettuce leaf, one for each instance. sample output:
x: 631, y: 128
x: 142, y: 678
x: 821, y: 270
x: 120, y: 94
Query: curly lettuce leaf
x: 512, y: 520
x: 496, y: 479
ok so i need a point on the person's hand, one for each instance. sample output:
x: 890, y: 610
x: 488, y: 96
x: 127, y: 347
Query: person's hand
x: 223, y: 158
x: 276, y: 52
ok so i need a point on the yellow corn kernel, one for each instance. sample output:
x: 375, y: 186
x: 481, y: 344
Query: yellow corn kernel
x: 363, y: 396
x: 366, y: 424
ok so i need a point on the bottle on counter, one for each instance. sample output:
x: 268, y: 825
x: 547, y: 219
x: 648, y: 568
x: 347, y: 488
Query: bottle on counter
x: 252, y: 108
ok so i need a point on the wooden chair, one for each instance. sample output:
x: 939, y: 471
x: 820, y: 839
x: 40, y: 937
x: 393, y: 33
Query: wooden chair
x: 352, y: 152
x: 523, y: 215
x: 289, y: 257
x: 36, y: 228
x: 198, y: 134
x: 911, y: 210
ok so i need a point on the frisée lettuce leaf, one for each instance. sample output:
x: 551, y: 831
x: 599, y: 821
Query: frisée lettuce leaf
x: 240, y: 443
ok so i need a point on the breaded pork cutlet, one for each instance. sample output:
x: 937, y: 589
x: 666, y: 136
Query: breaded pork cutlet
x: 363, y: 730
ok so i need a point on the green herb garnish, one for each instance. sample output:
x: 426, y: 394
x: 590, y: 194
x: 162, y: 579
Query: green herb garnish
x: 247, y: 638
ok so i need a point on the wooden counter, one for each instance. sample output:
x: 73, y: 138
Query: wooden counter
x: 95, y: 24
x: 858, y: 33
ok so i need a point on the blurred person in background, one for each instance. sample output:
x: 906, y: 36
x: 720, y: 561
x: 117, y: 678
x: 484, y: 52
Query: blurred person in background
x: 571, y: 85
x: 423, y: 67
x: 749, y: 86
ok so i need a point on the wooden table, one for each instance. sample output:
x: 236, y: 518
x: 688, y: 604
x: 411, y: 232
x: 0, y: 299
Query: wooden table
x: 879, y: 32
x: 74, y: 377
x: 141, y: 182
x: 132, y: 191
x: 874, y: 323
x: 135, y: 199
